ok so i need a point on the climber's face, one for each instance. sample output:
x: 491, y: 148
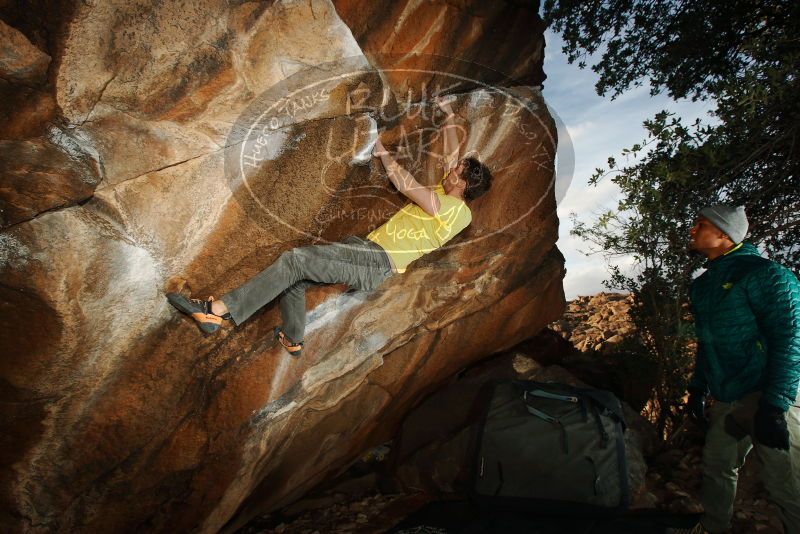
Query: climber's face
x: 454, y: 180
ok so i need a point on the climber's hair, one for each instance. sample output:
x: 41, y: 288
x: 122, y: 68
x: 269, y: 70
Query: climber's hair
x: 478, y: 178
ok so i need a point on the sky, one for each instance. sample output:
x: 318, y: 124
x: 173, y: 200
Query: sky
x: 598, y: 128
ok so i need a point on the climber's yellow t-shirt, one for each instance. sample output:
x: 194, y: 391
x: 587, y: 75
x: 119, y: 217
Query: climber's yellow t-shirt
x: 411, y: 232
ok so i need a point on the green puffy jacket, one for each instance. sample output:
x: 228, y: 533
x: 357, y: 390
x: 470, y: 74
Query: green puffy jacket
x: 747, y: 319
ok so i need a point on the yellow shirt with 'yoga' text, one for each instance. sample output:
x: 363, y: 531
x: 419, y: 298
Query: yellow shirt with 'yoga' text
x: 411, y: 232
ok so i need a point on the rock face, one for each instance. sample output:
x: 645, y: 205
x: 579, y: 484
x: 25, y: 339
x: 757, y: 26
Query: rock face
x: 125, y: 175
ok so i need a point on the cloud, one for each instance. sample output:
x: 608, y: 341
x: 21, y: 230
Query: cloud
x: 586, y: 200
x: 575, y: 132
x: 598, y: 128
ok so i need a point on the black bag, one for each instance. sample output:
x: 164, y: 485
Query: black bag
x: 553, y: 448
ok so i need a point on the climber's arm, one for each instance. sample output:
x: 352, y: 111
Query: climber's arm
x: 424, y: 197
x: 450, y: 132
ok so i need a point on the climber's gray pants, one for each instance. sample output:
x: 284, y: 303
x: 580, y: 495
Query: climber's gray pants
x: 357, y: 262
x: 723, y: 456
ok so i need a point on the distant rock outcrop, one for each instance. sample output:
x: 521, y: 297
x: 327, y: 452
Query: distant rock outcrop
x: 121, y: 129
x: 596, y: 323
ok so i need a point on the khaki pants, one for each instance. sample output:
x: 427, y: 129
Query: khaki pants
x: 723, y: 455
x: 357, y: 262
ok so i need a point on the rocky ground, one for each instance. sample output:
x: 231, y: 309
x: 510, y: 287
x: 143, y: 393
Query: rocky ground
x: 593, y: 326
x: 341, y: 512
x: 674, y: 480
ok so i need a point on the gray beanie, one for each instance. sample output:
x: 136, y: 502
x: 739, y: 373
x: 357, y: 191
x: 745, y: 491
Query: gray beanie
x: 729, y: 219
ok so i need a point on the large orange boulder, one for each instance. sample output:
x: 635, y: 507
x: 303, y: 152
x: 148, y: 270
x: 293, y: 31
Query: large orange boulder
x: 196, y: 142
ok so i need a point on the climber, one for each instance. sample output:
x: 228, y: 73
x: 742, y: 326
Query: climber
x: 432, y: 219
x: 747, y: 319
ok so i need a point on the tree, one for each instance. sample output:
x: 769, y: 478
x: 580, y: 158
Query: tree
x: 744, y: 56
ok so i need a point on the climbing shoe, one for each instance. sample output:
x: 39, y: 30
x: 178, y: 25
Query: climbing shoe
x: 295, y: 349
x: 199, y: 310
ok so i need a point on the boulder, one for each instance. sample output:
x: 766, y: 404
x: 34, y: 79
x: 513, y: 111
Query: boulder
x: 42, y: 174
x: 28, y: 104
x: 417, y: 41
x: 118, y: 414
x: 20, y: 60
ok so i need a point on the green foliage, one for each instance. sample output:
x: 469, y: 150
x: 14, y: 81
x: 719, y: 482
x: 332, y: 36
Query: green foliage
x: 745, y: 56
x: 688, y: 48
x: 742, y: 55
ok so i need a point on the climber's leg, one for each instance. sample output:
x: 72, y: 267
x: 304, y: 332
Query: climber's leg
x: 357, y: 262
